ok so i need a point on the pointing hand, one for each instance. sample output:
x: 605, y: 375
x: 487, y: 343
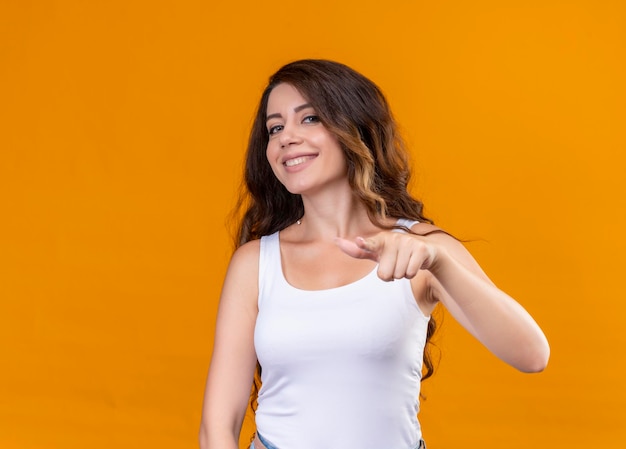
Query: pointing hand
x: 398, y: 255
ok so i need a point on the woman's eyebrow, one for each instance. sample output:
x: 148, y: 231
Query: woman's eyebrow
x: 296, y: 109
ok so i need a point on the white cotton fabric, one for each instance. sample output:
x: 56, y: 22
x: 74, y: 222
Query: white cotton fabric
x: 341, y: 368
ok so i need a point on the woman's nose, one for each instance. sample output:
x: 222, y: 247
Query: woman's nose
x: 289, y: 136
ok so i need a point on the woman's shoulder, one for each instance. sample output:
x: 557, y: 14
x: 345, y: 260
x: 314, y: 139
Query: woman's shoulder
x: 247, y: 255
x: 242, y: 274
x: 449, y: 242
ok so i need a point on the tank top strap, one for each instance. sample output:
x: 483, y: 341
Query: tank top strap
x: 406, y: 222
x: 270, y: 268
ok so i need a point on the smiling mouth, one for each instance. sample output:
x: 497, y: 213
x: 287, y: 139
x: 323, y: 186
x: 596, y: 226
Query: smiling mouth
x: 297, y: 161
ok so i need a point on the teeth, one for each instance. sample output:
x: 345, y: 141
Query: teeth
x: 297, y: 161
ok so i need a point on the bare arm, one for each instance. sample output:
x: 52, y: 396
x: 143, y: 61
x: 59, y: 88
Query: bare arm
x: 453, y: 277
x: 234, y: 359
x: 489, y: 314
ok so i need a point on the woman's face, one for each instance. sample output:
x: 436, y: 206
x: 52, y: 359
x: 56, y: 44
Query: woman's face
x: 303, y: 154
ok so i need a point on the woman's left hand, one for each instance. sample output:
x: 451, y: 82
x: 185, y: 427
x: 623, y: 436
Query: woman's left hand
x: 399, y: 255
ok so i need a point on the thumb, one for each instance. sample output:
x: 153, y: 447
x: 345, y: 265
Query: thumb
x: 360, y: 248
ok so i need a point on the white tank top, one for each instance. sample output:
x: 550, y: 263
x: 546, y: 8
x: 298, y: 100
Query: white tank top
x: 341, y: 367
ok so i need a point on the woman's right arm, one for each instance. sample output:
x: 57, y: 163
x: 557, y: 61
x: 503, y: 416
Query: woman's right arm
x: 233, y: 363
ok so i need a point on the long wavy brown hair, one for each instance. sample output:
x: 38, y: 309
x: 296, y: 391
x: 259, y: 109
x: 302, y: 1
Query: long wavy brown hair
x: 355, y: 110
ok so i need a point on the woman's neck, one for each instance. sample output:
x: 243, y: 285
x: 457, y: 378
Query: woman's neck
x: 335, y: 215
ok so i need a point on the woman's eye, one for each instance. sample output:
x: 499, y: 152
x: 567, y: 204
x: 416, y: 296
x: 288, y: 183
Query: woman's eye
x: 274, y: 129
x: 311, y: 119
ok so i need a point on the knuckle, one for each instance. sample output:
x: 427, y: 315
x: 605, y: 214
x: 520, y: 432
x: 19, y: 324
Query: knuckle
x: 399, y: 274
x: 384, y: 274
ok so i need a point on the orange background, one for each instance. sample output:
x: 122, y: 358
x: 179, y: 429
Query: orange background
x: 122, y: 130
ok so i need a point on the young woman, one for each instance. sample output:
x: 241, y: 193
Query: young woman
x: 336, y: 274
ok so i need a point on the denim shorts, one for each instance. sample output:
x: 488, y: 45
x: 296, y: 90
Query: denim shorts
x: 268, y: 445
